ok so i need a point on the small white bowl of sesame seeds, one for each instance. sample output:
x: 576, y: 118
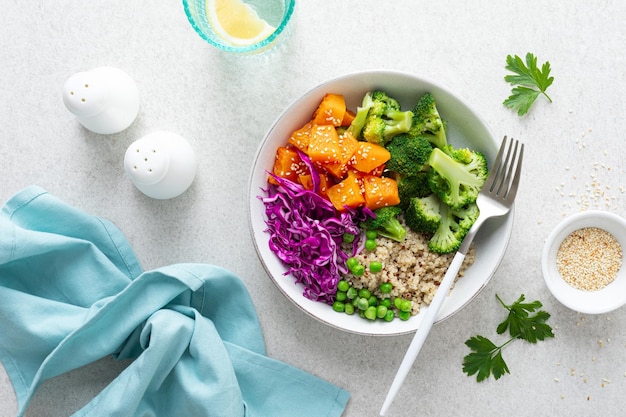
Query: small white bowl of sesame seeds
x: 582, y: 262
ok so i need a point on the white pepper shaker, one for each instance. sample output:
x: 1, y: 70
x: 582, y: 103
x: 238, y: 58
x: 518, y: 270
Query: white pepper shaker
x: 162, y: 165
x: 104, y: 100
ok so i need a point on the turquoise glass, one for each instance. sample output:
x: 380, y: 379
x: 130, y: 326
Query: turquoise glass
x: 275, y: 12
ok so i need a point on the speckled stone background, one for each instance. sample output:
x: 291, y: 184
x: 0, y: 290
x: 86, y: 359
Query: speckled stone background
x: 224, y: 104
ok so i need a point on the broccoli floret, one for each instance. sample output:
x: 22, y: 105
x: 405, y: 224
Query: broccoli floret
x: 463, y: 155
x: 423, y: 214
x: 446, y: 237
x: 383, y: 101
x: 448, y: 227
x: 409, y: 154
x: 410, y: 186
x: 386, y: 223
x: 384, y: 118
x: 360, y: 117
x: 427, y: 122
x: 465, y: 218
x: 456, y: 182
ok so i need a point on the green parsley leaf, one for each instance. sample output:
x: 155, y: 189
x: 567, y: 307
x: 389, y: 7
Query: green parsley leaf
x: 522, y: 324
x: 485, y: 359
x: 525, y: 321
x: 530, y: 81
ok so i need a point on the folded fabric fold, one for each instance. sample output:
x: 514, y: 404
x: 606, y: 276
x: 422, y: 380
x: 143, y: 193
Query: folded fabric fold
x: 72, y: 292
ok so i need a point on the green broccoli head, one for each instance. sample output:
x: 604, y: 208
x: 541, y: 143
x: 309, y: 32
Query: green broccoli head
x: 384, y: 118
x: 386, y: 223
x: 360, y: 117
x: 465, y: 218
x: 409, y: 154
x: 384, y: 102
x: 446, y: 226
x: 446, y: 237
x: 455, y: 181
x: 410, y: 186
x: 423, y: 214
x: 427, y: 122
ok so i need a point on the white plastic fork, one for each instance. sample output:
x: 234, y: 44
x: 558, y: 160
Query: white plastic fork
x: 495, y: 199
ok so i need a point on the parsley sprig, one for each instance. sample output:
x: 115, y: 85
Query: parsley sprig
x: 530, y: 81
x: 525, y: 321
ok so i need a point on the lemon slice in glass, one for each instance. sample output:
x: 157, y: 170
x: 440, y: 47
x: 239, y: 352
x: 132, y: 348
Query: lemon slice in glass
x: 236, y: 22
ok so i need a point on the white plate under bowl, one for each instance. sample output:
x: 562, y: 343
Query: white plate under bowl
x: 607, y: 299
x: 465, y: 129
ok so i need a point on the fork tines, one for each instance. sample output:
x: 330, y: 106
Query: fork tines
x: 504, y: 177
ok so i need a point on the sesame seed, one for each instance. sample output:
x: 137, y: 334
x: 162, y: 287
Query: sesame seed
x: 589, y: 258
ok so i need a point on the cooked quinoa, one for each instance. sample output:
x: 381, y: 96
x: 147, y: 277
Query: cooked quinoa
x: 414, y: 271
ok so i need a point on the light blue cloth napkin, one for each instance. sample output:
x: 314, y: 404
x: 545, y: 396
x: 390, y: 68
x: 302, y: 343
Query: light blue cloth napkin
x: 72, y: 292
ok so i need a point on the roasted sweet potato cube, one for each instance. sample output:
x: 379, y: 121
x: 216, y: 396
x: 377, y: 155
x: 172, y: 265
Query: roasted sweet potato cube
x: 380, y: 192
x: 331, y: 110
x: 324, y: 146
x: 347, y: 146
x: 370, y: 156
x: 301, y: 138
x: 347, y: 193
x: 288, y: 164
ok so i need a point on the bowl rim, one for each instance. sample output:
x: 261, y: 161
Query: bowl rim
x: 254, y: 48
x: 505, y: 222
x: 601, y: 301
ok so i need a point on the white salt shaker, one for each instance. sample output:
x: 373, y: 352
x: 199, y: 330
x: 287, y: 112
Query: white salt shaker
x: 104, y: 100
x: 162, y: 165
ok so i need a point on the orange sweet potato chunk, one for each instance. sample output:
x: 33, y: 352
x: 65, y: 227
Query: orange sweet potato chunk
x: 301, y: 137
x: 330, y: 111
x: 370, y: 156
x: 324, y: 146
x: 347, y: 193
x: 380, y: 192
x: 348, y: 145
x: 348, y: 118
x: 306, y: 180
x: 287, y: 164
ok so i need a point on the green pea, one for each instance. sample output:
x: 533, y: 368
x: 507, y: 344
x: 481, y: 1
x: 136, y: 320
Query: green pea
x: 402, y: 304
x: 341, y: 296
x: 389, y: 316
x: 370, y: 313
x: 375, y: 267
x: 352, y: 262
x: 371, y: 234
x: 358, y: 270
x: 381, y: 311
x: 365, y: 293
x: 370, y: 244
x: 339, y: 307
x: 352, y: 293
x: 405, y: 305
x: 362, y: 304
x: 349, y: 309
x: 404, y: 315
x: 343, y: 285
x: 373, y: 300
x: 385, y: 287
x: 348, y: 237
x: 385, y: 302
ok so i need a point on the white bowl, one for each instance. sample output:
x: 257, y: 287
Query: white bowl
x: 601, y: 301
x: 465, y: 128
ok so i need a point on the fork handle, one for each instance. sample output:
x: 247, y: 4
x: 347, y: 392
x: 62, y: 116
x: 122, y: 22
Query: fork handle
x: 423, y: 329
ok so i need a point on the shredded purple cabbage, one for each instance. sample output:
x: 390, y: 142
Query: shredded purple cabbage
x: 306, y: 233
